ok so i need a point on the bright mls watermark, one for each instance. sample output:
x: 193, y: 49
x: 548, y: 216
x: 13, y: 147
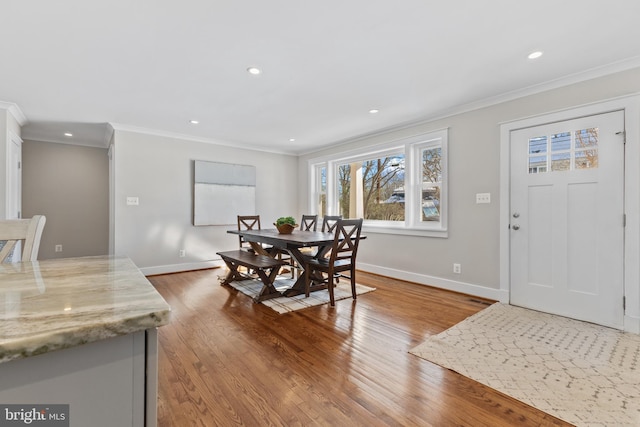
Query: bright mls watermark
x: 34, y: 415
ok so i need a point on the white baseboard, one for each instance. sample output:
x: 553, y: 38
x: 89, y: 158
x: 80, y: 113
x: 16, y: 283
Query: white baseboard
x: 631, y: 324
x: 423, y: 279
x: 176, y: 268
x: 438, y: 282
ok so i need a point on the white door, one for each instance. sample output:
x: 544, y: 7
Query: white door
x: 567, y: 218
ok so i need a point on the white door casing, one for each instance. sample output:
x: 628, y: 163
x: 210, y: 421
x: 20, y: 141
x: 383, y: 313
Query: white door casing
x: 566, y: 218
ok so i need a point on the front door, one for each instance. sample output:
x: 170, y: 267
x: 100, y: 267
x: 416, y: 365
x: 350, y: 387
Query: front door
x: 567, y: 218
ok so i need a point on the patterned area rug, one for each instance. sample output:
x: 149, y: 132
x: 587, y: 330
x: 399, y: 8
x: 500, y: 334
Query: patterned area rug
x: 287, y: 304
x: 582, y: 373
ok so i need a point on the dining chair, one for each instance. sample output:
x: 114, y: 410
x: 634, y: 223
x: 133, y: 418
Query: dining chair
x: 329, y: 222
x: 27, y: 231
x: 252, y: 222
x: 247, y: 222
x: 309, y: 223
x: 342, y: 259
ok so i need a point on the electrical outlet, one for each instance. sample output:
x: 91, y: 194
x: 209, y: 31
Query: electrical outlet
x: 457, y: 268
x: 182, y: 253
x: 58, y: 248
x: 483, y: 198
x: 132, y: 201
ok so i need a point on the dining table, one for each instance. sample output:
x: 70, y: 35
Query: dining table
x: 270, y: 242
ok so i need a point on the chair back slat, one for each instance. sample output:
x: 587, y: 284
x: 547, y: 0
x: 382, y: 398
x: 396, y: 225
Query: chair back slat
x: 29, y: 231
x: 309, y: 223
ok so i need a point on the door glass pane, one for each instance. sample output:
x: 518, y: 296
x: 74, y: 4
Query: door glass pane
x: 561, y: 141
x: 560, y: 162
x: 537, y: 164
x: 586, y: 147
x: 538, y: 145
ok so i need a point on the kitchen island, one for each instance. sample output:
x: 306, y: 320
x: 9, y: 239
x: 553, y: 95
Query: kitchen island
x: 81, y: 332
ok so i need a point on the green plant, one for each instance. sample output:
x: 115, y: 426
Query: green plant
x: 286, y: 220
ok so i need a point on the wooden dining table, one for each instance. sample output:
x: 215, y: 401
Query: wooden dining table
x: 292, y: 243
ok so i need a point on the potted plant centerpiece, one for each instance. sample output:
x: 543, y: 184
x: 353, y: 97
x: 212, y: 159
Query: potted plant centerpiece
x: 285, y: 224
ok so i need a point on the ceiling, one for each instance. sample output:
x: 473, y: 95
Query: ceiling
x: 76, y: 65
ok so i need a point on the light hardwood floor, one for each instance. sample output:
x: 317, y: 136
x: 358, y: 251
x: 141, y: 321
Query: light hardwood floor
x: 225, y: 361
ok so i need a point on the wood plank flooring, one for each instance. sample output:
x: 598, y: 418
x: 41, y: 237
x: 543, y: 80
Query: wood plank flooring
x: 225, y: 361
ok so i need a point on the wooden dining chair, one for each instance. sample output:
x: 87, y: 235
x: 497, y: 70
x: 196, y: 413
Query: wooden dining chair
x: 309, y: 223
x: 329, y: 222
x: 252, y: 222
x: 342, y: 259
x: 27, y: 231
x: 247, y: 222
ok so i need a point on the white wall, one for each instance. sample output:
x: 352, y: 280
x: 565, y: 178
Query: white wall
x: 474, y: 167
x: 159, y: 171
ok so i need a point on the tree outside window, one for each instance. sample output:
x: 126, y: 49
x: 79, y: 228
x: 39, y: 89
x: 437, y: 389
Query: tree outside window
x: 382, y: 189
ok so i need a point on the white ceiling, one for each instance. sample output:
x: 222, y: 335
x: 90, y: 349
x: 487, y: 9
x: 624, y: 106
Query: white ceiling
x: 75, y: 65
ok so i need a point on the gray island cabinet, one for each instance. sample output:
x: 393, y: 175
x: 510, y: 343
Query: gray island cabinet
x: 81, y: 332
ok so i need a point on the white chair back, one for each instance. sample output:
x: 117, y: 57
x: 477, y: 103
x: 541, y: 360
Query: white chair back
x: 29, y: 231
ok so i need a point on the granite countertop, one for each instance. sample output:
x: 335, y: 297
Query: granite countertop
x: 55, y: 304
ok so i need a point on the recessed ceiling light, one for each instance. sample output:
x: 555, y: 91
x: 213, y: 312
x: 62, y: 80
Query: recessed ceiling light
x: 374, y: 111
x: 535, y: 55
x: 254, y: 70
x: 194, y: 122
x: 292, y: 140
x: 69, y: 134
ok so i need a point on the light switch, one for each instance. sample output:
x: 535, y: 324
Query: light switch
x: 132, y: 201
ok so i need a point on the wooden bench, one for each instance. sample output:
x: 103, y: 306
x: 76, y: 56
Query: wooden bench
x: 265, y: 267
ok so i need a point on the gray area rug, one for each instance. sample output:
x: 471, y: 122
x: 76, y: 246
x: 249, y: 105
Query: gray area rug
x: 282, y: 305
x: 582, y: 373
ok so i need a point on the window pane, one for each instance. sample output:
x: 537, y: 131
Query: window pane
x: 560, y: 162
x: 431, y: 179
x: 538, y: 145
x: 344, y: 187
x: 322, y: 191
x: 372, y: 189
x: 561, y: 141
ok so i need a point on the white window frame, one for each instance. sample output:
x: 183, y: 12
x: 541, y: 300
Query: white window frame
x: 412, y: 148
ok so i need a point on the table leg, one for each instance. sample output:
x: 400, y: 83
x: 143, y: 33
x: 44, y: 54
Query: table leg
x: 300, y: 284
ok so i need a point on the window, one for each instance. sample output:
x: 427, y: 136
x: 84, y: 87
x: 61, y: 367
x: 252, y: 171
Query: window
x: 400, y: 188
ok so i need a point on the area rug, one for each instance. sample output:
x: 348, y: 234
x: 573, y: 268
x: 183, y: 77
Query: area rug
x: 585, y: 374
x: 282, y: 305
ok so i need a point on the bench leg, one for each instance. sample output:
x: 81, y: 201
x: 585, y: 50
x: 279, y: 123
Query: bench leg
x: 233, y: 273
x: 268, y: 290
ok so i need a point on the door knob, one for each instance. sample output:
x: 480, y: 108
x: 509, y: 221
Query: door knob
x: 516, y: 227
x: 516, y: 215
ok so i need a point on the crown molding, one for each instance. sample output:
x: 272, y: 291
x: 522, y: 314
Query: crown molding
x: 568, y: 80
x: 15, y: 111
x: 192, y: 138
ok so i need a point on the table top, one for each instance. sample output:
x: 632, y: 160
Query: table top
x: 61, y: 303
x: 296, y: 238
